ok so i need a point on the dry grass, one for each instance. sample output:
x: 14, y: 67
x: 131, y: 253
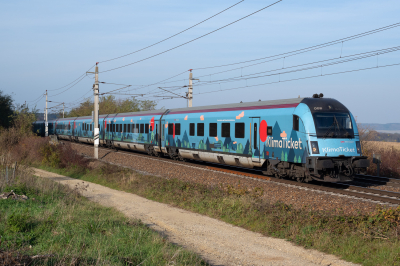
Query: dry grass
x: 378, y: 145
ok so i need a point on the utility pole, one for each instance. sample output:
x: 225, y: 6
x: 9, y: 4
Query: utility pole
x: 63, y: 110
x: 96, y: 111
x: 190, y: 89
x: 46, y: 120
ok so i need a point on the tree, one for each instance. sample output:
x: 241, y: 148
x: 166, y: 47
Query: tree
x: 109, y: 105
x: 6, y: 110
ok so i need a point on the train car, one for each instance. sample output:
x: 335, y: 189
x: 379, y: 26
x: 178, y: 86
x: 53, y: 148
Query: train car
x: 302, y: 138
x: 38, y: 128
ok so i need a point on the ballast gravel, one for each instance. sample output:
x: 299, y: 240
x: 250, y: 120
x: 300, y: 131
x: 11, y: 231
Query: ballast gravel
x: 289, y: 194
x: 217, y: 242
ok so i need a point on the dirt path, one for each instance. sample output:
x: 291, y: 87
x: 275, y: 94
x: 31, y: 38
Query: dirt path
x: 217, y: 242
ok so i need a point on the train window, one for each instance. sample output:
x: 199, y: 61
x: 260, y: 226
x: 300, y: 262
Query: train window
x: 255, y: 136
x: 156, y: 129
x: 131, y: 128
x: 213, y: 129
x: 91, y: 127
x: 226, y: 130
x: 112, y: 127
x: 295, y: 122
x: 200, y: 129
x: 146, y: 128
x: 141, y: 128
x: 137, y: 128
x: 170, y: 129
x: 177, y: 129
x: 269, y: 131
x: 239, y: 130
x: 151, y: 128
x: 125, y: 128
x: 191, y: 129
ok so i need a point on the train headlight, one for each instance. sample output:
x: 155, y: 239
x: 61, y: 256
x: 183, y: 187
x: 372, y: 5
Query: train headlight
x: 358, y: 146
x: 314, y: 147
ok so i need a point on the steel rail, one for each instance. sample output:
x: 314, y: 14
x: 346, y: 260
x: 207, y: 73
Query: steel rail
x: 383, y: 196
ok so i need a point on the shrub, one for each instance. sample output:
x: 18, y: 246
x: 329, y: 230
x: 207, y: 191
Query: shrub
x: 70, y: 157
x: 50, y: 155
x: 28, y: 150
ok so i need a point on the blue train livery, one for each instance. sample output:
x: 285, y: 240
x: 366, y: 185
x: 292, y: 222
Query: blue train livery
x: 302, y: 138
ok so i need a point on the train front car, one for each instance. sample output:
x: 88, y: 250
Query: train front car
x: 334, y: 151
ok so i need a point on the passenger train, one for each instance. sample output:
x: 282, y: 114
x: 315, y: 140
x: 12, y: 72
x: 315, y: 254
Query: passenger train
x: 303, y: 138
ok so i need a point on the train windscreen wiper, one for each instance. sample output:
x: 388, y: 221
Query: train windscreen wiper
x: 346, y: 135
x: 329, y: 130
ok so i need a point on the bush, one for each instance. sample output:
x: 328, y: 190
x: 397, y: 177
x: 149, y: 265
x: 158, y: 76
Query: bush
x: 390, y: 160
x: 390, y: 157
x: 28, y: 150
x: 70, y: 158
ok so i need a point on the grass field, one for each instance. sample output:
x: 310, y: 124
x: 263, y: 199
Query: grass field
x: 367, y: 239
x: 377, y: 145
x: 63, y: 228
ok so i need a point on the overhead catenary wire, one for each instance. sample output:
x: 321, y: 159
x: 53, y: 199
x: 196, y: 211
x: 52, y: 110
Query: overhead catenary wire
x: 292, y: 53
x: 309, y: 77
x: 311, y: 48
x: 68, y: 87
x: 173, y: 35
x: 84, y: 74
x: 345, y: 59
x: 317, y: 64
x: 173, y: 48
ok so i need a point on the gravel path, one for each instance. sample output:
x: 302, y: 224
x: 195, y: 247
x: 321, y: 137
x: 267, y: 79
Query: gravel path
x: 216, y: 241
x: 289, y: 194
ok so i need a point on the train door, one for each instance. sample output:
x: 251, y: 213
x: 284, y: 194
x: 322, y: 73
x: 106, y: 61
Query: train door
x: 255, y: 138
x: 162, y: 133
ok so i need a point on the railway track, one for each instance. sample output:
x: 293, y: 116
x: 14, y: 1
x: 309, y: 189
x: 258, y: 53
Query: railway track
x: 378, y: 180
x: 375, y: 195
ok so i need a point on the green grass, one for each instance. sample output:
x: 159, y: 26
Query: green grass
x: 57, y: 221
x: 367, y: 239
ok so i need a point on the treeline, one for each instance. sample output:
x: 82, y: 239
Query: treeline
x: 110, y: 105
x: 387, y: 137
x: 15, y: 121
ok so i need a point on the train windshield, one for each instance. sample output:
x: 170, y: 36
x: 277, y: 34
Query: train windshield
x: 333, y: 125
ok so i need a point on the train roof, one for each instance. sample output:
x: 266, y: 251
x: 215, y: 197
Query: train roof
x: 326, y: 103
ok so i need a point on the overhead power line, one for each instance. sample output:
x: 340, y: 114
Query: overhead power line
x: 292, y: 53
x: 69, y: 87
x: 84, y: 74
x: 311, y: 48
x: 172, y: 35
x: 309, y: 77
x: 193, y: 39
x: 344, y: 59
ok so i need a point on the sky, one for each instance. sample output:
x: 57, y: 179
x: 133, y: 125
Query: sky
x: 50, y: 45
